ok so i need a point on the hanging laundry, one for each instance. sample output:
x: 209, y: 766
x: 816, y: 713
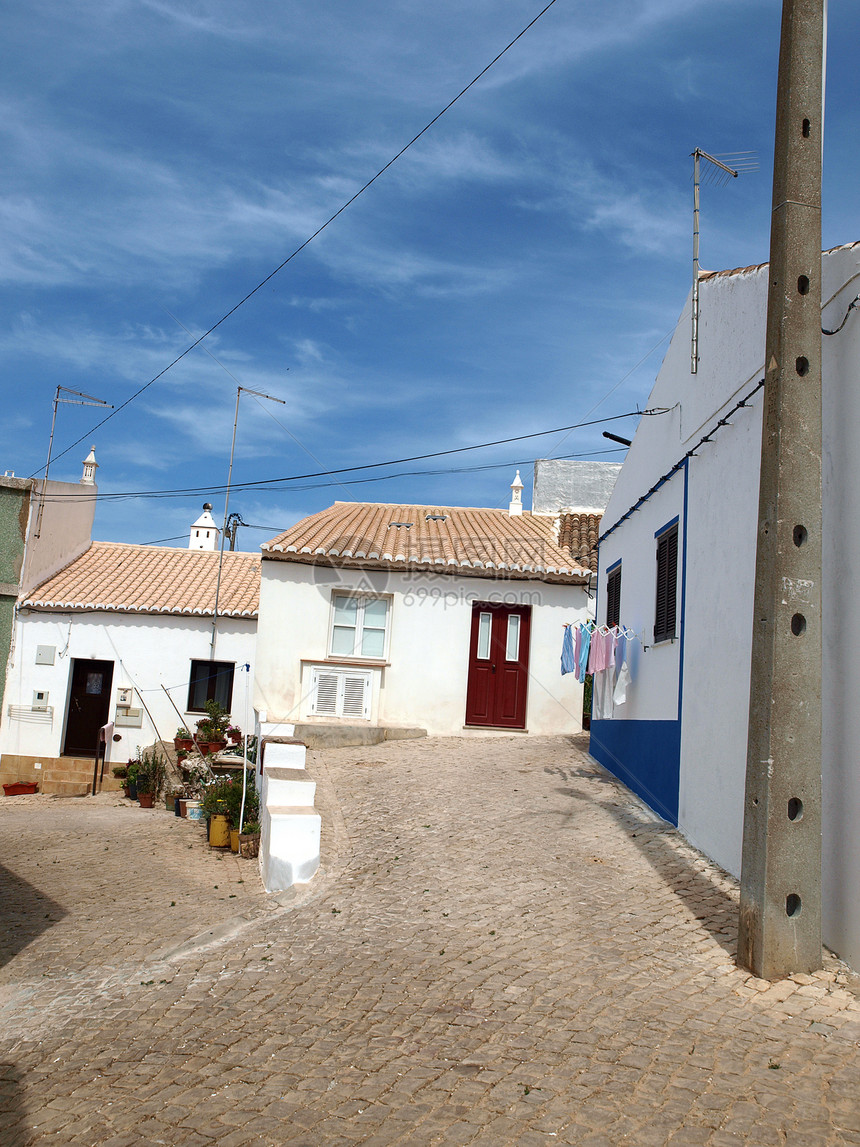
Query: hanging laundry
x: 568, y: 655
x: 602, y: 696
x: 585, y: 645
x: 622, y: 684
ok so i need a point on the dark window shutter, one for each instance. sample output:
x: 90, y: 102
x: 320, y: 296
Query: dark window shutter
x: 613, y: 597
x: 667, y: 585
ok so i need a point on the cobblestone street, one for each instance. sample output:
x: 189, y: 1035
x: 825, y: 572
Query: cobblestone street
x: 502, y: 947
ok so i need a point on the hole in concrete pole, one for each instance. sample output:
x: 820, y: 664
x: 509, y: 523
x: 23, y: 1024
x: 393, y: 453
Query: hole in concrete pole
x: 801, y: 365
x: 792, y: 904
x: 798, y: 624
x: 803, y: 284
x: 806, y: 128
x: 795, y: 808
x: 800, y: 535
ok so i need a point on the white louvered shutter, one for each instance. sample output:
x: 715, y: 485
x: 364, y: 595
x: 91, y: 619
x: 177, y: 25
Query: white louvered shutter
x: 324, y: 700
x: 340, y: 693
x: 356, y: 695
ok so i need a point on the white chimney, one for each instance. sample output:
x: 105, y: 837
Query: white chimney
x: 516, y: 504
x: 204, y: 532
x: 88, y: 478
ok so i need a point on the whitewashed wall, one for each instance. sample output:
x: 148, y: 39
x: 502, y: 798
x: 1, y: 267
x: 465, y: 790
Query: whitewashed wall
x: 722, y: 499
x: 424, y: 683
x: 147, y: 652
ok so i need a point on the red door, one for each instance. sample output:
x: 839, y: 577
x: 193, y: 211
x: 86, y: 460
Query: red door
x: 498, y: 665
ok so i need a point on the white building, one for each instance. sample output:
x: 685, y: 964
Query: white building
x: 124, y: 634
x: 446, y: 619
x: 677, y: 564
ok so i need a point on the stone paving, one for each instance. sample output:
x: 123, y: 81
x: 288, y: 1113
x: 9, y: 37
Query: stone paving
x: 502, y: 947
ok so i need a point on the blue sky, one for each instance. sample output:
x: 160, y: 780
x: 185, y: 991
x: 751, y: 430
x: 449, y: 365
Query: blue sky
x: 519, y: 268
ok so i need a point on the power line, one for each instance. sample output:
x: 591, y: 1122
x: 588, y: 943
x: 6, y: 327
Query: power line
x: 311, y: 238
x: 262, y: 483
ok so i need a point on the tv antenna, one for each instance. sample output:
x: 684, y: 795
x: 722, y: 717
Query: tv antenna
x: 717, y: 170
x: 79, y: 399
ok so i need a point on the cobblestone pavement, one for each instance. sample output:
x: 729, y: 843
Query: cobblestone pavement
x: 502, y: 947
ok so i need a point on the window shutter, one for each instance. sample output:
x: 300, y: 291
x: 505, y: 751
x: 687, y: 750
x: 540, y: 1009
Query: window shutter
x: 613, y: 597
x: 324, y: 702
x: 356, y: 695
x: 340, y: 693
x: 667, y: 585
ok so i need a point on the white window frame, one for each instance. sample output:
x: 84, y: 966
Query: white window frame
x: 361, y: 600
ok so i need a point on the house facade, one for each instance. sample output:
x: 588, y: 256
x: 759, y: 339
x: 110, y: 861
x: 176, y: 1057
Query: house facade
x: 443, y: 618
x: 677, y: 562
x: 43, y: 526
x: 125, y: 635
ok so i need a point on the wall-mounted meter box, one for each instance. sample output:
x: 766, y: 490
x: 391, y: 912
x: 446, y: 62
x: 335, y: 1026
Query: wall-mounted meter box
x: 45, y: 654
x: 123, y: 698
x: 40, y: 700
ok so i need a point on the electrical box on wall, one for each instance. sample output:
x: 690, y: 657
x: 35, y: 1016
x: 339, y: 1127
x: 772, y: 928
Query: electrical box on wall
x: 45, y: 654
x: 129, y: 718
x: 123, y: 698
x: 40, y: 700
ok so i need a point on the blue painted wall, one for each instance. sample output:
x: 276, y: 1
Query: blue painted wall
x: 646, y: 756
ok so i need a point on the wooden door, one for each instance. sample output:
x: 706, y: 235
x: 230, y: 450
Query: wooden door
x: 497, y: 687
x: 89, y: 705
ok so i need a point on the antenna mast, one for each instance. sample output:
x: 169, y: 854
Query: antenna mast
x: 719, y: 173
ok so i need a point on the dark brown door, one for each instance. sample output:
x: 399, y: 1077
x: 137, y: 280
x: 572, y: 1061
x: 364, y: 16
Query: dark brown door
x: 498, y: 666
x: 89, y: 705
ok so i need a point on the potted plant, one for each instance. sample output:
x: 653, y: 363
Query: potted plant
x: 131, y: 773
x: 249, y: 841
x: 182, y: 739
x: 234, y: 734
x: 151, y: 772
x: 214, y: 805
x: 218, y: 720
x: 20, y: 788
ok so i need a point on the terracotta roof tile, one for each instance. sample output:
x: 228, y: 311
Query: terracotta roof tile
x: 446, y: 539
x: 150, y: 579
x: 703, y: 275
x: 578, y: 534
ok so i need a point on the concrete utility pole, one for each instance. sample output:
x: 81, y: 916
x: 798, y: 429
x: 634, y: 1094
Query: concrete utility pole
x: 780, y: 913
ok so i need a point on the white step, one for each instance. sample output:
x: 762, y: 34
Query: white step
x: 288, y: 787
x: 289, y: 845
x: 283, y: 752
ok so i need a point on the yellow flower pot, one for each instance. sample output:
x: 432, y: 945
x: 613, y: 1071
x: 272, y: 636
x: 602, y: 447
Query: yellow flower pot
x: 219, y: 831
x: 234, y: 840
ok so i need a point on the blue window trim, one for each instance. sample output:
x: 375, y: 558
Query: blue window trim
x: 668, y: 526
x: 614, y: 566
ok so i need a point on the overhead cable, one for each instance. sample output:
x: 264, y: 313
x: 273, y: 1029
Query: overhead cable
x: 311, y: 238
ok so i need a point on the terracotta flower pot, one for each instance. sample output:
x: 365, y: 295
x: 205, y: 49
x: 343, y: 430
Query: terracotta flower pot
x: 20, y: 788
x: 146, y: 800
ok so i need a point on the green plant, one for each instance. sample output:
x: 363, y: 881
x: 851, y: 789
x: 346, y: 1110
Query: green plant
x: 182, y: 734
x: 252, y: 828
x: 151, y: 771
x: 132, y: 771
x: 120, y: 771
x: 219, y: 720
x: 225, y: 796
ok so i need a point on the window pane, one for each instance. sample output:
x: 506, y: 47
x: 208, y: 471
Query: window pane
x: 345, y: 609
x: 375, y: 612
x: 485, y: 626
x: 373, y: 643
x: 210, y: 681
x: 512, y: 649
x: 343, y: 641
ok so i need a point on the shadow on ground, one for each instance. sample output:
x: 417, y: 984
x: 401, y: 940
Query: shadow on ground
x: 658, y: 841
x: 27, y: 913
